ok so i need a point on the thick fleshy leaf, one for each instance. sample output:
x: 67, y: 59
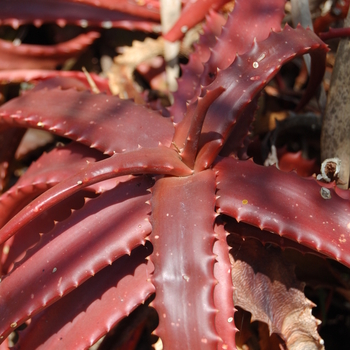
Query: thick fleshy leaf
x: 93, y: 308
x: 75, y: 250
x: 106, y: 123
x: 223, y: 291
x: 247, y: 75
x: 27, y: 56
x: 190, y: 143
x: 193, y: 13
x: 60, y: 163
x: 159, y: 160
x: 46, y: 172
x: 182, y: 237
x: 288, y: 161
x: 20, y: 75
x: 266, y: 286
x: 28, y: 236
x: 82, y: 13
x: 286, y: 204
x: 146, y: 9
x: 16, y: 247
x: 189, y: 82
x: 239, y: 140
x: 43, y: 174
x: 249, y: 21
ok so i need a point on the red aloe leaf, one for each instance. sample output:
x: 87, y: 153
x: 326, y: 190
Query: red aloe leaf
x: 258, y: 274
x: 18, y: 12
x: 288, y: 161
x: 62, y: 259
x: 238, y: 140
x: 46, y: 172
x: 147, y: 9
x: 256, y: 18
x: 160, y: 160
x: 345, y: 194
x: 104, y: 122
x: 190, y: 144
x: 247, y: 75
x: 18, y: 244
x: 60, y: 163
x: 182, y: 237
x: 92, y: 309
x: 193, y: 13
x: 249, y: 20
x: 27, y: 56
x: 286, y: 204
x: 214, y: 22
x: 224, y: 321
x: 189, y: 82
x: 26, y: 237
x: 20, y: 75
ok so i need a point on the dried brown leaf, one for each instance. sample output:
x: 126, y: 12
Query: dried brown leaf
x: 121, y: 80
x: 265, y: 285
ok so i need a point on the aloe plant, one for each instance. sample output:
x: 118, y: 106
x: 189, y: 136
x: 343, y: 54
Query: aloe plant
x: 140, y: 203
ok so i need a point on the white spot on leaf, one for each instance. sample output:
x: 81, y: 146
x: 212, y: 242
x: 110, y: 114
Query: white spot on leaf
x: 325, y: 193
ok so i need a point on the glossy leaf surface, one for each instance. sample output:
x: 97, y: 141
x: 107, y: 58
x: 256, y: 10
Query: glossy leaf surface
x: 182, y: 238
x: 286, y: 205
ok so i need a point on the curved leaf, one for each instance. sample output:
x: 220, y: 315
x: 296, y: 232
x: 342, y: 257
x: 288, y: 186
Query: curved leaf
x: 46, y: 172
x: 182, y: 237
x: 92, y: 309
x: 160, y: 160
x: 20, y: 75
x: 193, y: 13
x: 223, y: 291
x: 286, y: 204
x: 247, y: 75
x: 106, y: 123
x: 16, y: 247
x: 266, y: 285
x: 190, y: 146
x: 189, y: 82
x: 27, y: 56
x: 249, y: 21
x: 62, y: 259
x: 82, y: 13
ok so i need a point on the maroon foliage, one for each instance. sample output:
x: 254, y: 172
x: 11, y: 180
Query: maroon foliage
x: 138, y: 205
